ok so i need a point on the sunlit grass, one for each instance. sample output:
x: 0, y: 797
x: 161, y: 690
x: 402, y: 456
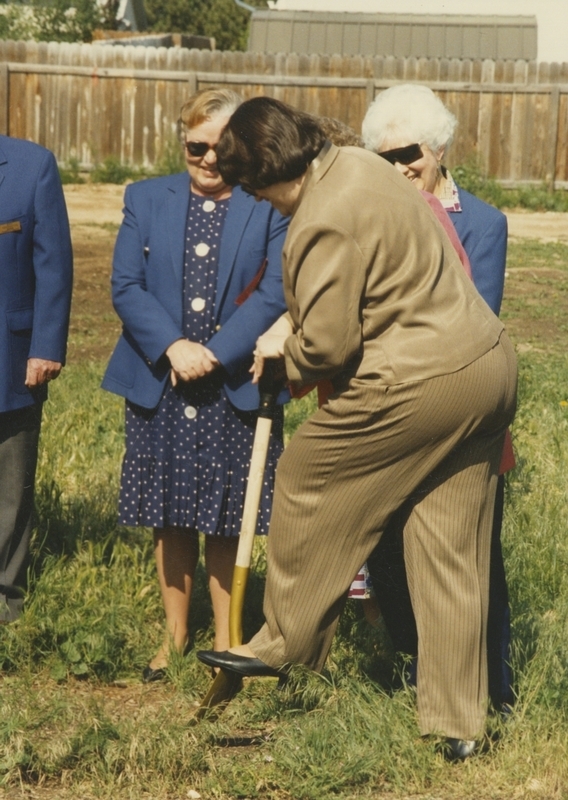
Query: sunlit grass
x: 76, y: 722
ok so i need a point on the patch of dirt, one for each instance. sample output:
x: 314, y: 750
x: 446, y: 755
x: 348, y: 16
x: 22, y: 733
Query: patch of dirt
x: 548, y: 226
x: 94, y: 203
x: 95, y: 214
x: 535, y: 305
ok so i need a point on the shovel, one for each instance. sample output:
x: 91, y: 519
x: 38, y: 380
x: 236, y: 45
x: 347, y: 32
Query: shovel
x: 226, y: 684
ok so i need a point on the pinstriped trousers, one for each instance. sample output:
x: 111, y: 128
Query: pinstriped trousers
x: 436, y: 444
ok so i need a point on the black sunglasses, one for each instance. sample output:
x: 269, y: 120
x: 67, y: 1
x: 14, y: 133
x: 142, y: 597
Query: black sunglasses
x: 404, y: 155
x: 198, y: 149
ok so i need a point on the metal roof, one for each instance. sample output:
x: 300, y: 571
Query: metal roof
x: 402, y: 35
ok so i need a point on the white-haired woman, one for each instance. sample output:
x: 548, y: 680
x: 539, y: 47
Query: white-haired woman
x: 410, y: 127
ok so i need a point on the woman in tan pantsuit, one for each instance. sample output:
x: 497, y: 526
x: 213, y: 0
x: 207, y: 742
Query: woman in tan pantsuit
x: 425, y: 381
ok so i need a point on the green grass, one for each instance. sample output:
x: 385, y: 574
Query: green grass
x: 75, y: 722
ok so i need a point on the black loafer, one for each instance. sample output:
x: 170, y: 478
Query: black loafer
x: 241, y: 665
x: 150, y: 675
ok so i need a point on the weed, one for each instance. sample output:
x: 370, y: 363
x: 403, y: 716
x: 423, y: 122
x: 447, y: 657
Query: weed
x: 71, y: 172
x: 112, y: 170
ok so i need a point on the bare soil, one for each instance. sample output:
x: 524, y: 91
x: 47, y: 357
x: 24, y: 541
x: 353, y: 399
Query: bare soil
x: 548, y: 226
x: 95, y: 211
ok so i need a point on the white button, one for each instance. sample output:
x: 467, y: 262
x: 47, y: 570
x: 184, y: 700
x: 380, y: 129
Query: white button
x: 202, y: 249
x: 190, y: 412
x: 209, y: 205
x: 198, y: 304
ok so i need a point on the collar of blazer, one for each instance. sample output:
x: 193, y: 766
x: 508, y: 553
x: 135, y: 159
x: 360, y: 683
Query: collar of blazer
x: 241, y: 206
x: 317, y: 170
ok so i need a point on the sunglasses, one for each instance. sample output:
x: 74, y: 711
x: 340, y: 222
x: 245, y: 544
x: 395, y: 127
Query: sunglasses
x: 403, y: 155
x: 198, y: 149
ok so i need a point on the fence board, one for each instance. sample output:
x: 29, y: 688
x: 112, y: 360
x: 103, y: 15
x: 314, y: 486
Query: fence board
x: 91, y: 101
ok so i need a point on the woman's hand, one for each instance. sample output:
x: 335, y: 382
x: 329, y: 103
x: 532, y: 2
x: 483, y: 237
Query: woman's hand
x: 270, y: 345
x: 190, y: 360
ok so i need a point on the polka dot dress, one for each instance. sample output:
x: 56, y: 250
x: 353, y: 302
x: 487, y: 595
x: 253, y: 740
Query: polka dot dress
x: 187, y: 461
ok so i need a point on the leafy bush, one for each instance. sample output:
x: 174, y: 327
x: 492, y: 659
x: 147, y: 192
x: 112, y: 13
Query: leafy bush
x: 113, y: 171
x: 57, y: 20
x: 221, y: 19
x: 470, y: 178
x: 70, y: 173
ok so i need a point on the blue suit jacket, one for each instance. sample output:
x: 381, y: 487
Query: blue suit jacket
x: 482, y: 230
x: 147, y: 288
x: 36, y: 267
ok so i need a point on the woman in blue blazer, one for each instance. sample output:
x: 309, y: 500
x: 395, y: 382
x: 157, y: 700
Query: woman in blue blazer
x: 410, y: 127
x: 196, y: 279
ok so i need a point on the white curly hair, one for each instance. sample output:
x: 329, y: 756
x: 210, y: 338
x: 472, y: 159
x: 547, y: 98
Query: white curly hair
x: 409, y: 113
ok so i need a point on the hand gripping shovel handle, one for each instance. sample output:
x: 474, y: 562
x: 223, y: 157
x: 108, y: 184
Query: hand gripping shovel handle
x: 226, y: 685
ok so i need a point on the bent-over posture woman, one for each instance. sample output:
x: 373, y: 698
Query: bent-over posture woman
x: 425, y: 385
x: 196, y: 279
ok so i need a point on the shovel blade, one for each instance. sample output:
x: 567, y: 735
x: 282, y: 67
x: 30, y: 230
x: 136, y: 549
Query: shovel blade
x: 225, y: 686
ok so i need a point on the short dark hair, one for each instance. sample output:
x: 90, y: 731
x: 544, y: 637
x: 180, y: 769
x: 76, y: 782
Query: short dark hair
x: 266, y: 142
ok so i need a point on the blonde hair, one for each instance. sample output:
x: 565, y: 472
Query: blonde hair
x: 204, y: 104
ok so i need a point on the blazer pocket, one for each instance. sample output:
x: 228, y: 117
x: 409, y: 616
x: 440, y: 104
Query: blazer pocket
x: 19, y: 322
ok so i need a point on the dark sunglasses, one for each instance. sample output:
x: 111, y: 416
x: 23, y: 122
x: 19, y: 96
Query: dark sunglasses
x: 198, y: 149
x: 404, y: 155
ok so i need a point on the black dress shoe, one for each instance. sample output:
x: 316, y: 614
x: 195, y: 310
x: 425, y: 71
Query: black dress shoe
x: 150, y: 675
x: 241, y: 665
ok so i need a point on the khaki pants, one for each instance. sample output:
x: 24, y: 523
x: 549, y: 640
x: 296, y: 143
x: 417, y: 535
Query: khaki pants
x: 346, y: 471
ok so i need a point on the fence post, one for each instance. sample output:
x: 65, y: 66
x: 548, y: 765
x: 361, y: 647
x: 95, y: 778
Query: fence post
x: 370, y: 90
x: 191, y: 83
x: 553, y: 144
x: 4, y: 99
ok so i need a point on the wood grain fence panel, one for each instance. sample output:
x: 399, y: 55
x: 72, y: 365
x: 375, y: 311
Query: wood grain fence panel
x: 552, y: 147
x: 94, y: 101
x: 484, y: 118
x: 378, y: 67
x: 411, y: 70
x: 562, y: 146
x: 505, y: 144
x: 4, y: 98
x: 495, y: 155
x: 145, y: 111
x: 517, y: 135
x: 294, y: 95
x: 532, y: 70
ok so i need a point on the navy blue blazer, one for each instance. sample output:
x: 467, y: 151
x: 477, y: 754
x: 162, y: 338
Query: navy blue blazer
x: 147, y: 288
x: 482, y: 230
x: 36, y: 267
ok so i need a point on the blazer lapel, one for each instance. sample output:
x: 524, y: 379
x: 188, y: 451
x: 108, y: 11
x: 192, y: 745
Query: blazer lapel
x: 177, y: 205
x: 3, y: 160
x: 240, y: 208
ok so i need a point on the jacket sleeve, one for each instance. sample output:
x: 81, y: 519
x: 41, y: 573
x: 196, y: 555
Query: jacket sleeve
x: 234, y: 343
x: 52, y: 265
x: 145, y: 319
x: 326, y: 268
x: 488, y: 259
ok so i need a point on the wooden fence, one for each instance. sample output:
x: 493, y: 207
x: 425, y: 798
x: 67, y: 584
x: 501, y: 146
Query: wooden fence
x: 91, y: 101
